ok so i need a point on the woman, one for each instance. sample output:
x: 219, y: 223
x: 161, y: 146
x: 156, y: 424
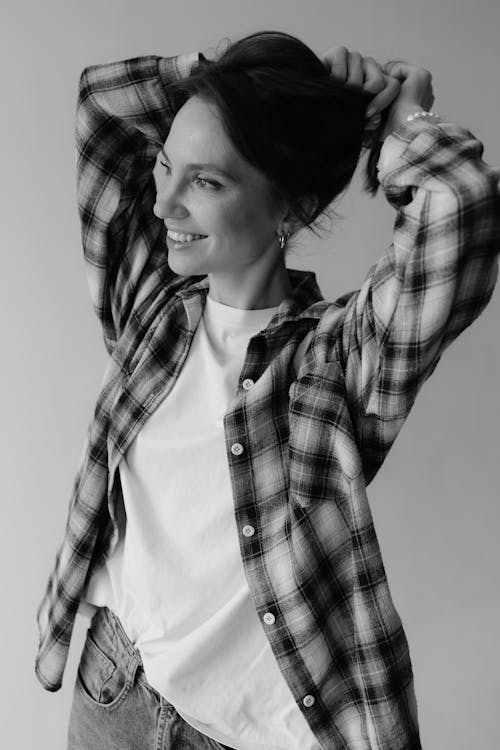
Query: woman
x: 219, y: 525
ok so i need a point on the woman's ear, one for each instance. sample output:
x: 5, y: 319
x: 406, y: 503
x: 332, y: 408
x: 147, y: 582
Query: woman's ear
x: 309, y: 203
x: 291, y: 223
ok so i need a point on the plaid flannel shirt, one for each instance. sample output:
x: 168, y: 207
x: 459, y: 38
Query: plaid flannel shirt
x: 311, y: 437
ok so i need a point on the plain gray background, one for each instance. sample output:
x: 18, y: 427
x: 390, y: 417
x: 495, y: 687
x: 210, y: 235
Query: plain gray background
x: 435, y: 501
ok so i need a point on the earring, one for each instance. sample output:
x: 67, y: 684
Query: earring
x: 283, y: 238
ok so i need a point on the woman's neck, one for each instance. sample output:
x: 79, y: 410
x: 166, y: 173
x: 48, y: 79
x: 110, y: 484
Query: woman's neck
x: 251, y: 290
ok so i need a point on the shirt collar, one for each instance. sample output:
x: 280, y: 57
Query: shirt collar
x: 301, y: 303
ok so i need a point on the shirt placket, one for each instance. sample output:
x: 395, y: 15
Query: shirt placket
x: 262, y: 348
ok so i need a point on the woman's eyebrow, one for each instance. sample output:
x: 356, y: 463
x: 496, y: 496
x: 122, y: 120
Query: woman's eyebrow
x: 207, y: 165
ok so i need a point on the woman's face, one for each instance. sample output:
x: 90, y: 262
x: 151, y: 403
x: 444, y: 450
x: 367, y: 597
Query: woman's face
x: 205, y: 187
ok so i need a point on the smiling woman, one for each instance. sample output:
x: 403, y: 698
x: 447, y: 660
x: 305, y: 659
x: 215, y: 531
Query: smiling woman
x: 220, y: 529
x: 236, y: 216
x: 241, y: 118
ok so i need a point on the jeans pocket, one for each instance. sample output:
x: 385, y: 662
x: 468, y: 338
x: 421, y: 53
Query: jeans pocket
x: 101, y: 680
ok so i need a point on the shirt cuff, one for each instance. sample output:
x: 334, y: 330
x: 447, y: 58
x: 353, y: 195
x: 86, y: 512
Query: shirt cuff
x: 396, y: 143
x: 390, y: 152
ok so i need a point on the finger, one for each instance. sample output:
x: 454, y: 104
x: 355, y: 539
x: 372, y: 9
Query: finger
x: 417, y: 81
x: 335, y: 61
x: 397, y: 68
x: 355, y: 72
x: 401, y: 70
x: 374, y: 78
x: 374, y: 122
x: 383, y: 99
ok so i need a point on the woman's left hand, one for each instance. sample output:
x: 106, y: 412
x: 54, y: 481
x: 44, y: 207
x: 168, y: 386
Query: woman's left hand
x: 364, y: 73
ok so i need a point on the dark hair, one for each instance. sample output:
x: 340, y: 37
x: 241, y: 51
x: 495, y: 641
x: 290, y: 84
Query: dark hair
x: 287, y: 117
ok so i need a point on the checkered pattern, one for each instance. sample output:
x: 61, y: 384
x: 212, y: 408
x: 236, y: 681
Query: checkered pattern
x: 314, y: 432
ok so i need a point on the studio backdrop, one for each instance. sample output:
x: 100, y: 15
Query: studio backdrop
x: 436, y: 499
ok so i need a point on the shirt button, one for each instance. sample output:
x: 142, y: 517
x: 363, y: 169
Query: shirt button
x: 237, y: 449
x: 269, y: 618
x: 247, y: 384
x: 308, y: 701
x: 248, y: 530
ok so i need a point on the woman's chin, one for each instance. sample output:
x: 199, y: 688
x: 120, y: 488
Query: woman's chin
x: 184, y: 260
x: 186, y: 266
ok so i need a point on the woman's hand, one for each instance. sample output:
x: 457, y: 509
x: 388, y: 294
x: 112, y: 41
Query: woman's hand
x: 415, y: 93
x: 399, y: 87
x: 364, y: 73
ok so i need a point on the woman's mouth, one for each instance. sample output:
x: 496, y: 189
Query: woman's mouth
x: 179, y: 239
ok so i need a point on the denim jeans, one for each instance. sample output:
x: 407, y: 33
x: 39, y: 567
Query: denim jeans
x: 114, y: 707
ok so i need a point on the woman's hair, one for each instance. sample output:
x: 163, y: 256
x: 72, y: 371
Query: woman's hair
x: 287, y: 117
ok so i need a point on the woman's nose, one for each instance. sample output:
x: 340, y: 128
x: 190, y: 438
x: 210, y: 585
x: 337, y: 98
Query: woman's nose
x: 168, y: 204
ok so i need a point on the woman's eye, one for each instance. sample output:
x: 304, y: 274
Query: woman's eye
x: 202, y: 181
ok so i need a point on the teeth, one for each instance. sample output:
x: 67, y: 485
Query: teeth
x: 181, y: 237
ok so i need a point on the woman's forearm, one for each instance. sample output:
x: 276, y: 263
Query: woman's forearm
x: 123, y: 114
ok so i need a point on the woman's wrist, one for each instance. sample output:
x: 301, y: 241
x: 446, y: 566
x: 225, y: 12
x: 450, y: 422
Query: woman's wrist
x: 404, y: 112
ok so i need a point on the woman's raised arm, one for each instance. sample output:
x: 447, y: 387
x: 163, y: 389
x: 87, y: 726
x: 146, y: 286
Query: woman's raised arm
x: 123, y: 114
x: 437, y: 275
x: 434, y: 280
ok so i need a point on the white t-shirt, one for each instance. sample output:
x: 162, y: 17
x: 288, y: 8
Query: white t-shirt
x: 176, y: 580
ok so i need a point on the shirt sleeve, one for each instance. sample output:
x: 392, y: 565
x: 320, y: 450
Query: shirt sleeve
x: 434, y: 280
x: 123, y: 115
